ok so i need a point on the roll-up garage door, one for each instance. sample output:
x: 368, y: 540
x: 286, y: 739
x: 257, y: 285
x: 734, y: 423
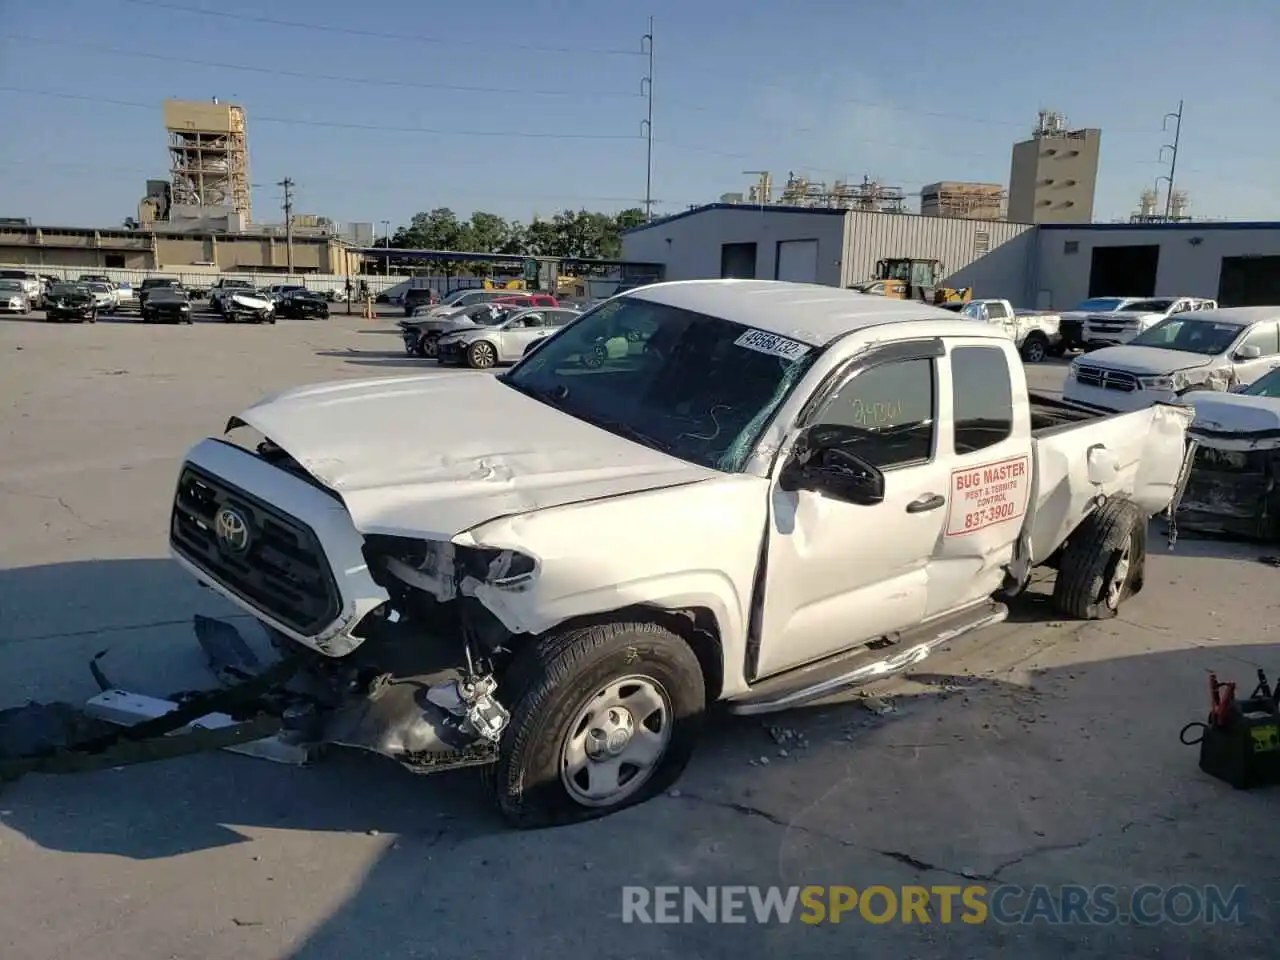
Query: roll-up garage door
x: 797, y: 261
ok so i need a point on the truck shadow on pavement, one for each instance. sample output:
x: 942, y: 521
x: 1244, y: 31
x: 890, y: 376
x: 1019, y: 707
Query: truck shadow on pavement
x: 387, y: 359
x: 1070, y: 773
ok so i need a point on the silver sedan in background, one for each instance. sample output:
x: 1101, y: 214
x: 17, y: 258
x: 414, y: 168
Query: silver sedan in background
x: 13, y: 297
x: 504, y: 342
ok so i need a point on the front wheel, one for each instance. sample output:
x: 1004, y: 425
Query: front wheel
x: 1103, y: 563
x: 602, y: 718
x: 482, y: 355
x: 93, y: 316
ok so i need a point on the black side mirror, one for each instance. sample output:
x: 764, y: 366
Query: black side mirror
x: 823, y: 465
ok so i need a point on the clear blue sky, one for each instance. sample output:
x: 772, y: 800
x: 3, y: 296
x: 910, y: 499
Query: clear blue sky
x: 909, y: 92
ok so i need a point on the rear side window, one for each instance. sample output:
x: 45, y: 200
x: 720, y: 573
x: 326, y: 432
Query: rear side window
x: 981, y: 398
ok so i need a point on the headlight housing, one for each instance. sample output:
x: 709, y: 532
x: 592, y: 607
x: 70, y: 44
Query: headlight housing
x: 1156, y: 383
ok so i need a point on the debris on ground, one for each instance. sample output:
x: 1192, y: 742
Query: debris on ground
x: 878, y: 706
x: 788, y: 739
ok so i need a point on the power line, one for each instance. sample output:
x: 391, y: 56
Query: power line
x: 337, y: 78
x: 408, y: 184
x: 882, y: 105
x: 500, y: 44
x: 343, y: 125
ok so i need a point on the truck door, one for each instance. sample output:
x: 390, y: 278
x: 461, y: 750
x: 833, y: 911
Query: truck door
x: 838, y: 573
x: 985, y: 440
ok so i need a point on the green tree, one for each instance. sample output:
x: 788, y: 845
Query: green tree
x: 568, y: 233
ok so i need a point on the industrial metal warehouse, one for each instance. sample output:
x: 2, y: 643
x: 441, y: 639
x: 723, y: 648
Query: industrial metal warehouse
x: 1048, y: 266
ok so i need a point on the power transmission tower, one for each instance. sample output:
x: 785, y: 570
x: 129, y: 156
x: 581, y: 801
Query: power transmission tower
x: 646, y: 88
x: 1173, y: 158
x: 287, y: 184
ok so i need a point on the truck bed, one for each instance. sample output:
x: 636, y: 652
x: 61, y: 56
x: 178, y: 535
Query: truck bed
x: 1147, y: 446
x: 1052, y: 413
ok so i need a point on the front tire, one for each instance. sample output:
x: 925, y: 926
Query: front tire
x: 1103, y: 563
x: 602, y: 718
x: 481, y: 355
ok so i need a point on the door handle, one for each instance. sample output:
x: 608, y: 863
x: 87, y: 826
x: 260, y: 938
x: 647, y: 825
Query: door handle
x: 930, y: 501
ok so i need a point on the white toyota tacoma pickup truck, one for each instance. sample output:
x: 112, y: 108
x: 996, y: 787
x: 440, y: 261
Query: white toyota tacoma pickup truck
x: 769, y: 493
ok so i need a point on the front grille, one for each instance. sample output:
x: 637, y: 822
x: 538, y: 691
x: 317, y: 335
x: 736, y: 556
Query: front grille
x: 282, y: 571
x: 1106, y: 379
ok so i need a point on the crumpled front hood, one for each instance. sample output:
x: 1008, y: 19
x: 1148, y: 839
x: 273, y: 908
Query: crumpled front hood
x: 249, y: 301
x: 433, y: 455
x: 441, y: 324
x: 1145, y: 361
x: 1235, y: 413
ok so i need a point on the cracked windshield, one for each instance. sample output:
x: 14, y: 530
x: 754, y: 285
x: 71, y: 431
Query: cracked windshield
x: 691, y: 482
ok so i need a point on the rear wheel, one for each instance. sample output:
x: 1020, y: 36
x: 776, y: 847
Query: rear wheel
x: 602, y: 718
x: 1035, y: 348
x: 1103, y: 562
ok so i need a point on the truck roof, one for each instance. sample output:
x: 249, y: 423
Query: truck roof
x: 1241, y: 316
x: 808, y: 312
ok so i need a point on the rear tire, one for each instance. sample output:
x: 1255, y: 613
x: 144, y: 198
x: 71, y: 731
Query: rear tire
x: 632, y: 690
x: 1103, y: 562
x: 1035, y: 348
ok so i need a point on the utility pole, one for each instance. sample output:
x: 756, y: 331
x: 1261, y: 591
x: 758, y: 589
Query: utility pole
x: 1173, y: 160
x: 386, y: 245
x: 646, y: 89
x: 287, y: 184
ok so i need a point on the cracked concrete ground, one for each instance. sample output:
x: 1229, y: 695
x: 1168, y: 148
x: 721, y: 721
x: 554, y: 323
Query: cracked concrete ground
x: 1040, y: 752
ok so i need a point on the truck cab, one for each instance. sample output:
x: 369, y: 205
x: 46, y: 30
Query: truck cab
x: 1034, y: 333
x: 1121, y: 325
x: 770, y: 493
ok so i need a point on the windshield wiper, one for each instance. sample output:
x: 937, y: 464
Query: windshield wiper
x: 631, y: 433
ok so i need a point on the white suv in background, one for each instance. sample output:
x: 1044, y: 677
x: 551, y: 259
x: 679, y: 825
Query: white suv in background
x: 1191, y: 351
x: 1126, y: 322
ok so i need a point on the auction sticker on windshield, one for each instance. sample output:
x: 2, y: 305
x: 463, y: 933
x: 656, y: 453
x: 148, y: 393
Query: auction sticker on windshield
x: 772, y: 344
x: 987, y: 495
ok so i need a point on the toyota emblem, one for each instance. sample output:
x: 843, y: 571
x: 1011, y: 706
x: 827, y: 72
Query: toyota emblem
x: 232, y: 530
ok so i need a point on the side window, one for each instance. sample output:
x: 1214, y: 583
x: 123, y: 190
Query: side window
x: 996, y: 311
x: 531, y: 320
x: 885, y: 414
x: 981, y: 397
x: 558, y: 318
x: 1264, y: 337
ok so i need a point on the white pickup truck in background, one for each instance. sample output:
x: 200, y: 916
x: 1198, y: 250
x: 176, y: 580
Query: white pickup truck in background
x: 781, y: 492
x: 1138, y: 316
x: 1034, y: 332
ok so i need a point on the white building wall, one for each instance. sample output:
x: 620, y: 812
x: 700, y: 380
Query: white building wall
x: 690, y: 244
x: 1190, y: 256
x: 992, y: 256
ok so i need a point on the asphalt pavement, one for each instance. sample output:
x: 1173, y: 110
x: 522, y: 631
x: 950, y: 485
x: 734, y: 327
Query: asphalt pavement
x: 1041, y: 752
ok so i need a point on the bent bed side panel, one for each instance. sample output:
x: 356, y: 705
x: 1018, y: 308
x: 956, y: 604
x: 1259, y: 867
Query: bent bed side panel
x: 1148, y: 446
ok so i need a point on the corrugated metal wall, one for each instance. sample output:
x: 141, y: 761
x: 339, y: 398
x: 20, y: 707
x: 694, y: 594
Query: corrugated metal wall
x: 957, y: 243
